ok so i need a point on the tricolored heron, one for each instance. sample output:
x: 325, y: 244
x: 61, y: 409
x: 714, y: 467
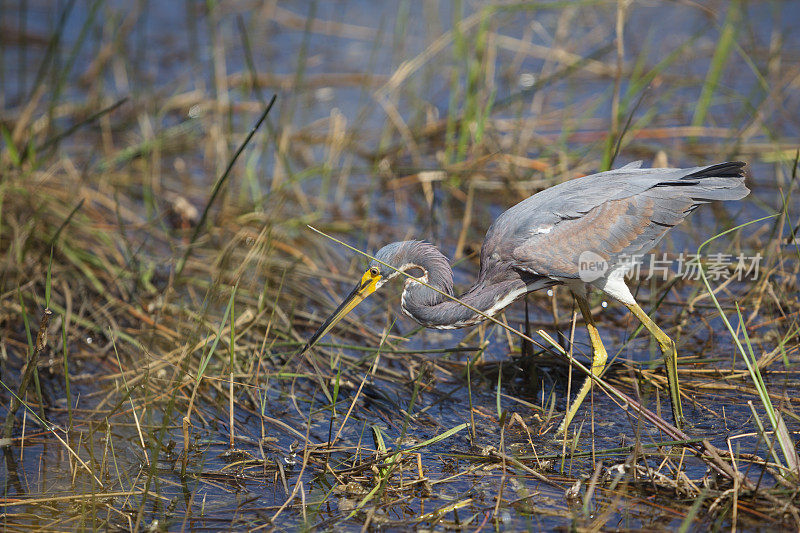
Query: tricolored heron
x: 547, y: 239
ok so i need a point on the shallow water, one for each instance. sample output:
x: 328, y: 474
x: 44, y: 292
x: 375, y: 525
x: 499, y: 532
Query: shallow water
x: 171, y: 51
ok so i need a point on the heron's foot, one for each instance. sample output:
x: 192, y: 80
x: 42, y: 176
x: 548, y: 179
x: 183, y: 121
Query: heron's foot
x: 670, y: 352
x: 598, y: 365
x: 599, y: 358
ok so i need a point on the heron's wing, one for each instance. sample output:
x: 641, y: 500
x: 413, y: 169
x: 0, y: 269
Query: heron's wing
x: 612, y: 231
x: 610, y: 214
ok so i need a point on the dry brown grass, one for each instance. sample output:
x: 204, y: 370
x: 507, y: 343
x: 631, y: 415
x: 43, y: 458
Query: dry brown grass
x: 163, y: 394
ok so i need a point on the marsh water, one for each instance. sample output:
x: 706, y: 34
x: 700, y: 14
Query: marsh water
x: 359, y: 145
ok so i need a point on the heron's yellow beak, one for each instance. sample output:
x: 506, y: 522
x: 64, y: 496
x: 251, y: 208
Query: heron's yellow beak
x: 368, y: 285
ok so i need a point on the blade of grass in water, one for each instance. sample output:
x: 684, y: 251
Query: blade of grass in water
x: 232, y: 362
x: 51, y: 429
x: 497, y: 391
x: 447, y: 434
x: 694, y: 510
x: 218, y: 186
x: 723, y: 50
x: 748, y: 357
x: 130, y: 399
x: 210, y: 352
x: 67, y: 391
x: 31, y: 372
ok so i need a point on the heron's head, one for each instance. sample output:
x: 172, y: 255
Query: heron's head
x: 400, y: 257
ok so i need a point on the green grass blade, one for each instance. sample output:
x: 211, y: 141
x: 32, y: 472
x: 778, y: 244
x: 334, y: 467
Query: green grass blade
x: 723, y: 50
x: 207, y: 356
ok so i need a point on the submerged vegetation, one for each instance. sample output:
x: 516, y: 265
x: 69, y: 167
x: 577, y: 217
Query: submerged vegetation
x: 158, y: 275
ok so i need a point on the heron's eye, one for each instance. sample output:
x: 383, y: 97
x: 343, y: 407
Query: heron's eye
x: 374, y: 272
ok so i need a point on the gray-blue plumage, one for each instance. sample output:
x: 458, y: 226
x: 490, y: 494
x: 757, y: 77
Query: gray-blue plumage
x: 615, y: 214
x: 538, y: 242
x: 607, y: 217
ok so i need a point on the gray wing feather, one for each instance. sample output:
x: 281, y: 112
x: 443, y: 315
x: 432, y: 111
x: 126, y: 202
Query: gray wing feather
x: 617, y: 213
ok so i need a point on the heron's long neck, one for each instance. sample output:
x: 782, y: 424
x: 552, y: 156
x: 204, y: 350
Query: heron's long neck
x: 435, y: 310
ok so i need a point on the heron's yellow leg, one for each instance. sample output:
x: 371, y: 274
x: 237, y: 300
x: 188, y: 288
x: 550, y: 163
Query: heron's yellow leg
x: 598, y: 362
x: 670, y: 353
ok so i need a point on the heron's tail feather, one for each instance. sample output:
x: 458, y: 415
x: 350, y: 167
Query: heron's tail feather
x: 729, y: 169
x: 724, y: 181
